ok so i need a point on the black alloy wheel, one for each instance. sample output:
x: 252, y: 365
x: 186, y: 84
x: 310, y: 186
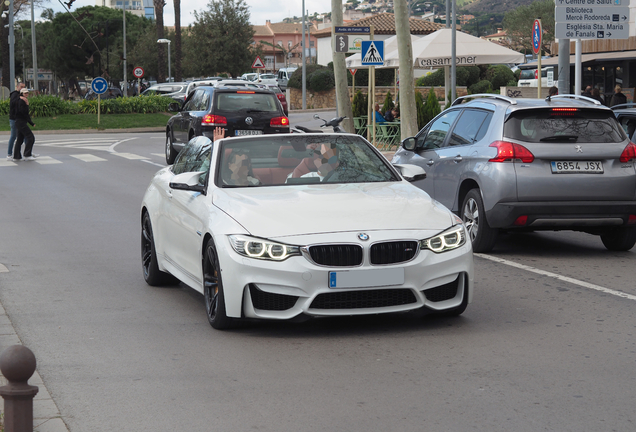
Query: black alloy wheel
x: 152, y: 275
x: 171, y: 154
x: 213, y: 290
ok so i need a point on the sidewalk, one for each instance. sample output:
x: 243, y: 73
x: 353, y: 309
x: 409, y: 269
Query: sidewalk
x: 46, y: 416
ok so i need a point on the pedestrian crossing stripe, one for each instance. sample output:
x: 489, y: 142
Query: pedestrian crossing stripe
x: 372, y: 53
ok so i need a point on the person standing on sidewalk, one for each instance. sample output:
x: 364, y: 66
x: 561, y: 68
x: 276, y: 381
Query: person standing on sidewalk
x: 14, y: 96
x: 24, y: 133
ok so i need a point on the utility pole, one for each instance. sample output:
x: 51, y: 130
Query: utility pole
x: 36, y: 87
x: 408, y: 111
x: 343, y: 101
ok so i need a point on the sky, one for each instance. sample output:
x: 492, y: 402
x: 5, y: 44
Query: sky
x: 260, y: 10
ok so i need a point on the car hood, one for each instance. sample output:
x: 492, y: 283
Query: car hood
x: 313, y: 209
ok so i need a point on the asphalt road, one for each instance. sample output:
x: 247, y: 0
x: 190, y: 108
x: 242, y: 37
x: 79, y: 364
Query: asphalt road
x: 548, y: 343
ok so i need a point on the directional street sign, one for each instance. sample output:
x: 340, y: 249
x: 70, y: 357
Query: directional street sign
x: 353, y: 30
x: 571, y: 14
x: 588, y: 30
x: 372, y: 53
x: 591, y: 19
x: 342, y: 43
x: 99, y: 85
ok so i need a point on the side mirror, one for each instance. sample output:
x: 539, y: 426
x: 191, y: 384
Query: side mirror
x: 409, y: 144
x: 411, y: 173
x: 174, y: 107
x: 188, y: 182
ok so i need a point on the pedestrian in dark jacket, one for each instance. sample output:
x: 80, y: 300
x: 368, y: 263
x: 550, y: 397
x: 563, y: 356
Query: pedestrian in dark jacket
x: 24, y: 133
x: 596, y: 94
x: 14, y: 96
x: 618, y: 97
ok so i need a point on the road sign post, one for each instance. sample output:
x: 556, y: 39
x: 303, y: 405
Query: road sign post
x: 537, y: 37
x: 99, y: 86
x: 138, y: 72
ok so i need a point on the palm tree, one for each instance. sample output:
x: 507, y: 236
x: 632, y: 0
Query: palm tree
x: 161, y: 53
x: 177, y: 41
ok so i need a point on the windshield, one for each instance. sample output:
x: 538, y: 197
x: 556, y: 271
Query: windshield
x: 552, y: 125
x: 246, y: 101
x: 289, y: 160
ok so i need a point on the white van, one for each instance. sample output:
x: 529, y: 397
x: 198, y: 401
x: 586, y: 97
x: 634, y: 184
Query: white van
x: 529, y: 78
x: 284, y: 75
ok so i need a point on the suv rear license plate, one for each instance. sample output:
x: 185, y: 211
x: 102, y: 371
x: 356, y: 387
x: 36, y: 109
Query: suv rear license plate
x: 248, y: 132
x: 577, y: 167
x: 366, y: 278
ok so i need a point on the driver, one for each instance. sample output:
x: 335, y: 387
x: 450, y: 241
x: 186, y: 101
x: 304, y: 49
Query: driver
x: 321, y: 164
x: 239, y: 170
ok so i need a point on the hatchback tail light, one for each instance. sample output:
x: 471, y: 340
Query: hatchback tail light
x: 508, y: 152
x: 629, y: 153
x: 279, y: 121
x: 213, y: 120
x: 631, y: 220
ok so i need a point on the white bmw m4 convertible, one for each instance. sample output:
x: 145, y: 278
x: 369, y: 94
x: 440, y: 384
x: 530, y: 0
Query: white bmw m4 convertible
x: 317, y: 225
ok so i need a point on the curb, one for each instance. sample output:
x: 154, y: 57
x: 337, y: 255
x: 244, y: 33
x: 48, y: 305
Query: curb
x: 46, y: 415
x: 90, y: 131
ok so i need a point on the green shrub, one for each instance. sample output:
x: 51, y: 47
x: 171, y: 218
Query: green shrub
x: 321, y: 80
x: 419, y: 106
x: 295, y: 81
x: 481, y: 87
x: 499, y: 75
x: 431, y: 108
x: 359, y: 105
x: 433, y: 79
x: 388, y: 103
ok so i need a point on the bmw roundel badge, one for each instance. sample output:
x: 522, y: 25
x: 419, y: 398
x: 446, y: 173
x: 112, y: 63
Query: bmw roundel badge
x: 363, y: 236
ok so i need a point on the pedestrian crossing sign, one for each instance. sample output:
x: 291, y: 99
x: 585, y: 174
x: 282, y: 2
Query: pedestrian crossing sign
x: 372, y: 53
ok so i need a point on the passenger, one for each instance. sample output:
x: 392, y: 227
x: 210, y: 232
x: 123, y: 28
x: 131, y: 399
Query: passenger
x: 322, y: 164
x: 238, y: 171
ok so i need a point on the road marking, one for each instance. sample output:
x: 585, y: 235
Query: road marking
x: 47, y: 160
x: 558, y: 276
x: 7, y: 162
x: 154, y: 163
x: 88, y: 158
x: 130, y: 156
x: 3, y: 269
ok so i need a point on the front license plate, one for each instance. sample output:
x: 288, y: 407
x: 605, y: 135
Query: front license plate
x: 577, y: 167
x: 248, y: 132
x: 366, y: 278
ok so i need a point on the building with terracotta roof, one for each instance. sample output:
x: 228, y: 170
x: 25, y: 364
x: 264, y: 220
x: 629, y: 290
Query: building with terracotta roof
x: 383, y: 28
x: 286, y: 40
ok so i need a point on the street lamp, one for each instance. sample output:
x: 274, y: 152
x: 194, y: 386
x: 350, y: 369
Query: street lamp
x: 164, y: 41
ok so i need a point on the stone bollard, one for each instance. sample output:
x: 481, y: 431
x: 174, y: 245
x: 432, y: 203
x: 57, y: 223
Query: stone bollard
x: 17, y: 364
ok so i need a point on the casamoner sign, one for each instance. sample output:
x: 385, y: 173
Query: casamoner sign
x: 446, y: 61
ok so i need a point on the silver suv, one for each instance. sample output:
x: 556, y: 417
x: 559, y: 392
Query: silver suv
x: 563, y: 163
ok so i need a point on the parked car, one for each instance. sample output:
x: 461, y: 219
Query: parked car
x: 240, y: 111
x: 175, y: 90
x: 626, y: 115
x: 351, y: 237
x: 267, y: 79
x: 279, y: 94
x: 200, y: 82
x: 249, y: 76
x: 235, y: 83
x: 111, y: 93
x: 513, y: 165
x: 284, y: 74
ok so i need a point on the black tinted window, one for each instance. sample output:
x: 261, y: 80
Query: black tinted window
x: 246, y: 100
x: 468, y: 126
x: 563, y: 125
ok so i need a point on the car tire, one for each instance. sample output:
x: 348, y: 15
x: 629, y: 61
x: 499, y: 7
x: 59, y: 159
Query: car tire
x: 481, y: 235
x: 152, y: 275
x: 213, y: 290
x: 619, y: 239
x: 171, y: 153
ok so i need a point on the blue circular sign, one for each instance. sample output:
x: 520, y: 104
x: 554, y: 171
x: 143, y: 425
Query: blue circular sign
x: 536, y: 36
x: 99, y: 85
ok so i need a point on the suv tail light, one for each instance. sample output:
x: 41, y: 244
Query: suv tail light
x: 629, y: 153
x: 279, y: 121
x: 213, y: 120
x: 507, y: 151
x: 280, y: 96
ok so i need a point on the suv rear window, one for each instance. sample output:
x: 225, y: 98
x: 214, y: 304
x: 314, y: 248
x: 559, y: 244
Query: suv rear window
x: 259, y: 102
x: 562, y: 125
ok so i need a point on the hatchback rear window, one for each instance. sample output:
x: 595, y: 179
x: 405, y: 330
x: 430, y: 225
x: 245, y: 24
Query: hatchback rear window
x: 564, y: 125
x: 251, y: 102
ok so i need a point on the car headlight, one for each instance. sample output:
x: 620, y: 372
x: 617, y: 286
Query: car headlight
x: 253, y: 247
x: 448, y: 240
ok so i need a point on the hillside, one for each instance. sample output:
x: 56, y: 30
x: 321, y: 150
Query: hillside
x: 492, y: 6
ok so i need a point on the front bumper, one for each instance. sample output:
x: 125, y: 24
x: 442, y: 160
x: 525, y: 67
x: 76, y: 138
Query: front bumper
x: 283, y: 290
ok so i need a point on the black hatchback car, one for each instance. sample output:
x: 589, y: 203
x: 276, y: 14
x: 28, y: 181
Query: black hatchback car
x: 240, y: 111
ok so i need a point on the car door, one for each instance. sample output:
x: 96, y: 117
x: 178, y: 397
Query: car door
x: 186, y: 211
x: 454, y: 157
x: 187, y: 115
x: 428, y: 145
